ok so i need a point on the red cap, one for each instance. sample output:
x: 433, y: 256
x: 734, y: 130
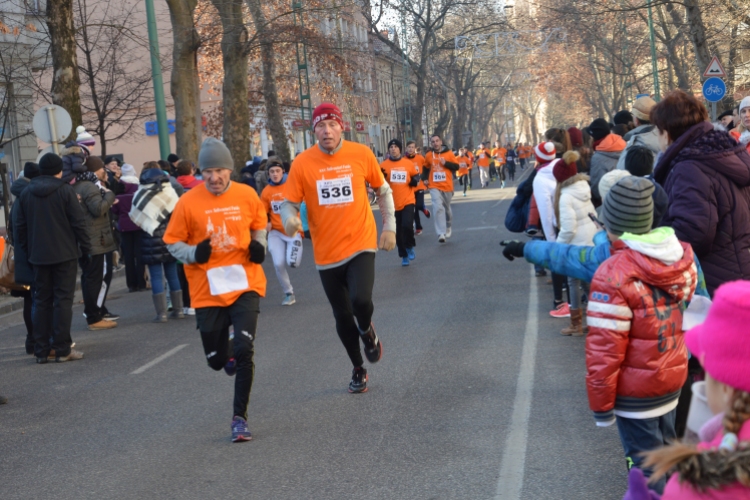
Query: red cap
x: 564, y: 171
x: 327, y: 111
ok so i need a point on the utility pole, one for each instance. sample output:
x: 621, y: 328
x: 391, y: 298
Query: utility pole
x: 654, y: 66
x: 159, y: 102
x: 407, y: 81
x: 302, y: 73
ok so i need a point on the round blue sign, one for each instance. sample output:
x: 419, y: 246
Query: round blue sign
x: 714, y: 89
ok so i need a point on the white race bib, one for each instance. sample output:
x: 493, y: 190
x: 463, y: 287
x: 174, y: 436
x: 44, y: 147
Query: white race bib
x: 481, y: 156
x: 276, y: 206
x: 398, y: 176
x: 439, y: 177
x: 227, y: 279
x: 335, y: 191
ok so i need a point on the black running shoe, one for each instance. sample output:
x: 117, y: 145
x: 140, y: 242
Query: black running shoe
x: 111, y: 317
x: 359, y: 381
x: 373, y: 346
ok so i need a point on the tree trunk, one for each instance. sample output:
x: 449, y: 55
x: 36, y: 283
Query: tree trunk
x: 184, y: 84
x: 270, y: 93
x: 416, y: 118
x: 698, y: 35
x: 65, y: 78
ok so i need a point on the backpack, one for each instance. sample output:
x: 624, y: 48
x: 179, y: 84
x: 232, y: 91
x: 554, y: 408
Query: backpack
x: 518, y: 212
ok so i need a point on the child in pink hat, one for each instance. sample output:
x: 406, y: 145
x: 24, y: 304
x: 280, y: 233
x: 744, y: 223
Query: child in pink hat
x: 718, y: 467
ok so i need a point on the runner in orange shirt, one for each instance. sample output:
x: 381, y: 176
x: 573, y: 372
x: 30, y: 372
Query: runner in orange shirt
x: 498, y: 154
x: 483, y: 162
x: 464, y: 166
x: 440, y: 163
x: 218, y: 230
x: 285, y: 251
x: 472, y: 160
x: 419, y: 206
x: 404, y: 178
x: 330, y: 177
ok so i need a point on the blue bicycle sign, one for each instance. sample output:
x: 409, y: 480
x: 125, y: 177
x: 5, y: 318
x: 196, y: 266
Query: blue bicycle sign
x: 714, y: 89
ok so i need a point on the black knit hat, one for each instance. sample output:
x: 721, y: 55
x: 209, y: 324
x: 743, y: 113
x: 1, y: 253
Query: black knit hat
x: 629, y: 206
x: 397, y: 143
x: 50, y: 164
x: 30, y: 170
x: 623, y: 117
x: 599, y: 129
x: 639, y: 161
x: 171, y: 158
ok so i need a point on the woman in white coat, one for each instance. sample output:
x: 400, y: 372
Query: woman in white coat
x: 572, y: 208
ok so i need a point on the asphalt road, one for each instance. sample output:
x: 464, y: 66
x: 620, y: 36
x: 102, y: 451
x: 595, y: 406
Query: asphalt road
x: 477, y: 395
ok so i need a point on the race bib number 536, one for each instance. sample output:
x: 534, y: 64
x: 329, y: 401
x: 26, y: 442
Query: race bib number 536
x: 439, y: 177
x: 335, y: 191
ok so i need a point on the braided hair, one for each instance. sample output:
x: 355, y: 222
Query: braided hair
x: 709, y: 469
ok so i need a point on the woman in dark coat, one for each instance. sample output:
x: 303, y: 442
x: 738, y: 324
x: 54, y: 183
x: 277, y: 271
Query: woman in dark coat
x: 706, y: 175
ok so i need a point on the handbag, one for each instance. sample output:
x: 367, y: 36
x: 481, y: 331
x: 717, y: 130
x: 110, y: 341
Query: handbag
x: 8, y: 269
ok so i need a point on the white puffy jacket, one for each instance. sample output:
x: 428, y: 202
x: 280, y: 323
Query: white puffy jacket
x: 544, y: 193
x: 576, y: 228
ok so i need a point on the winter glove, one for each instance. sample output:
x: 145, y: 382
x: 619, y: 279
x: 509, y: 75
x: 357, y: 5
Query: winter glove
x: 414, y: 182
x: 292, y: 226
x: 638, y: 487
x: 257, y: 252
x: 513, y: 249
x: 385, y: 176
x: 203, y: 251
x: 387, y: 241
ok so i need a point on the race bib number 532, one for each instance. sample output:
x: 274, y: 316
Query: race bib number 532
x: 398, y: 176
x: 439, y: 177
x: 335, y: 191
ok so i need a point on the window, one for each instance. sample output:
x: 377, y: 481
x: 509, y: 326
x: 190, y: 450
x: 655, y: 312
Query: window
x: 33, y: 7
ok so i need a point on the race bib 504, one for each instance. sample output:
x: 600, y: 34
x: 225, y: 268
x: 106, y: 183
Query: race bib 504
x: 439, y: 177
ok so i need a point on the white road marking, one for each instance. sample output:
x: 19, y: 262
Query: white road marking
x: 484, y: 213
x: 157, y: 360
x: 479, y: 228
x: 512, y: 466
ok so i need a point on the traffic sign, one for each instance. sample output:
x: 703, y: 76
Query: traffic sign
x: 52, y: 124
x: 714, y: 89
x: 715, y: 69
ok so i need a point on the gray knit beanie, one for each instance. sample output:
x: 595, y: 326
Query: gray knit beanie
x: 214, y: 154
x: 629, y: 206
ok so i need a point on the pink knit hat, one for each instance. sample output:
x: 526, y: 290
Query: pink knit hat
x: 722, y: 342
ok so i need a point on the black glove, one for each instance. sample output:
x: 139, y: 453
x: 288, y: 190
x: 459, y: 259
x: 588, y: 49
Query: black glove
x: 257, y: 252
x: 414, y: 182
x: 203, y: 251
x: 85, y: 260
x: 513, y: 249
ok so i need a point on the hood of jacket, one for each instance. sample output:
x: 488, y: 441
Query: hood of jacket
x: 612, y: 143
x: 711, y: 146
x: 578, y: 187
x: 45, y: 185
x: 640, y: 129
x: 18, y: 186
x: 662, y: 260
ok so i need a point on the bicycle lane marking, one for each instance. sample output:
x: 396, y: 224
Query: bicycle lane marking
x: 513, y: 463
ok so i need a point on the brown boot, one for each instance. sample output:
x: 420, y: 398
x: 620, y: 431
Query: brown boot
x: 576, y: 324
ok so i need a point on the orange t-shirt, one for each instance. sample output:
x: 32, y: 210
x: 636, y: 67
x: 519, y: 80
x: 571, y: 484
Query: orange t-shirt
x: 524, y: 152
x: 272, y: 197
x: 483, y: 157
x: 398, y: 175
x: 418, y: 161
x: 470, y: 155
x: 338, y: 211
x: 441, y: 178
x: 464, y: 163
x: 499, y: 155
x: 227, y: 219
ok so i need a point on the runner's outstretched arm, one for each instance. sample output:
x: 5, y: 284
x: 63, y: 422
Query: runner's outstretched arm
x: 183, y: 252
x: 387, y: 208
x: 261, y: 236
x: 289, y: 218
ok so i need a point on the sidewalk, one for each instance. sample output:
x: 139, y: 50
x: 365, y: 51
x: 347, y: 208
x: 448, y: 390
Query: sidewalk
x: 11, y: 308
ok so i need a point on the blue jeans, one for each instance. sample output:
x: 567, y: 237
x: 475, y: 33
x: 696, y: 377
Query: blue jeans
x: 157, y: 277
x: 639, y: 435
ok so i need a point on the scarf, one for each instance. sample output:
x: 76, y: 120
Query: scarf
x: 91, y: 177
x: 152, y: 205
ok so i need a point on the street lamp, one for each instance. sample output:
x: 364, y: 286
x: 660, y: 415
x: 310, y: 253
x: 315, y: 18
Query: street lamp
x: 654, y: 66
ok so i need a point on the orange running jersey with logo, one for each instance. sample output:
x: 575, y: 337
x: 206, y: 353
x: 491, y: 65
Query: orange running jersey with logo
x: 398, y: 175
x: 499, y: 155
x: 483, y: 157
x: 272, y: 197
x: 227, y: 219
x: 441, y: 178
x: 464, y: 163
x: 338, y: 210
x: 418, y: 161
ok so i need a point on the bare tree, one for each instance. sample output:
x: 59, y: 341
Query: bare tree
x: 65, y: 78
